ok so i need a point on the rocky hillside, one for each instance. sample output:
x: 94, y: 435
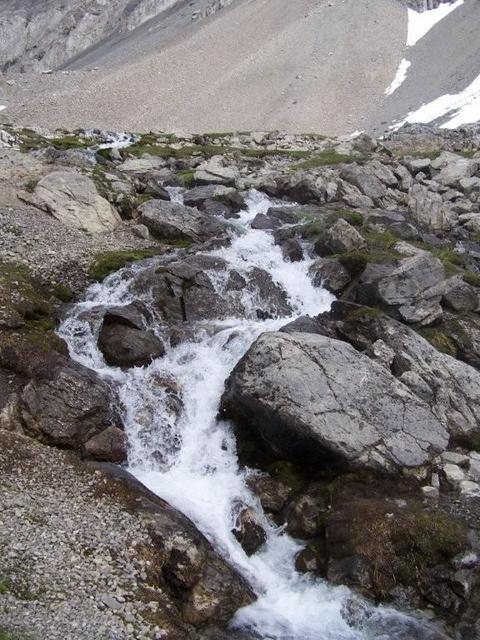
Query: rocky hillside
x: 361, y: 425
x: 38, y: 36
x: 240, y: 68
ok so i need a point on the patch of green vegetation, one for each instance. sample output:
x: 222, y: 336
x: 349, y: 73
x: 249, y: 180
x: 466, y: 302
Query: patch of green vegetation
x: 440, y: 340
x: 63, y: 293
x: 207, y: 150
x: 431, y: 154
x: 288, y: 473
x: 363, y: 312
x: 467, y: 153
x: 30, y: 185
x: 111, y: 261
x: 326, y: 158
x: 352, y: 217
x: 452, y: 262
x: 354, y: 262
x: 380, y: 239
x: 30, y: 140
x: 4, y: 587
x: 4, y: 635
x: 188, y: 177
x: 402, y: 549
x: 472, y: 278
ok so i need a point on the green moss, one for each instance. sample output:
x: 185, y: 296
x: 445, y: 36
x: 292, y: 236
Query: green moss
x: 401, y: 549
x: 63, y: 293
x: 4, y: 587
x: 432, y: 154
x: 354, y: 262
x: 380, y: 239
x: 364, y: 312
x: 288, y: 473
x: 4, y: 635
x: 326, y: 158
x: 30, y: 185
x: 440, y: 340
x: 187, y: 177
x: 472, y: 278
x: 206, y: 150
x: 111, y: 261
x: 467, y: 153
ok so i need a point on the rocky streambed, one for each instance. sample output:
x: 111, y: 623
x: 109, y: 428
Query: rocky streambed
x: 294, y: 369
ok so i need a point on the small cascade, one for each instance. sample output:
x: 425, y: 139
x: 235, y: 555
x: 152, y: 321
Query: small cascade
x: 181, y: 451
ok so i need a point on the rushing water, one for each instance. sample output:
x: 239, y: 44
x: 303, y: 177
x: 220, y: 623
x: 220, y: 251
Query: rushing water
x: 191, y: 461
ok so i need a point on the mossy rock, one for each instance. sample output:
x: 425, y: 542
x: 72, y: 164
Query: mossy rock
x: 440, y: 340
x: 288, y: 473
x: 27, y: 310
x: 111, y: 261
x: 472, y: 278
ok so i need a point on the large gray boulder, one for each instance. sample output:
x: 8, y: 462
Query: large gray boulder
x: 366, y: 180
x: 413, y: 289
x: 449, y: 387
x: 309, y: 396
x: 340, y: 238
x: 66, y: 405
x: 428, y: 209
x: 452, y: 168
x: 124, y: 346
x: 174, y: 221
x: 73, y: 199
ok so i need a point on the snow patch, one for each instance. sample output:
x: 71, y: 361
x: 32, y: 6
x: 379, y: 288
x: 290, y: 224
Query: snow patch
x: 400, y: 77
x: 464, y: 107
x: 419, y: 24
x: 2, y: 107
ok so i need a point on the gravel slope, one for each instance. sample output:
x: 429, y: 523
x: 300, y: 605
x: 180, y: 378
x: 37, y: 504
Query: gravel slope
x: 263, y: 64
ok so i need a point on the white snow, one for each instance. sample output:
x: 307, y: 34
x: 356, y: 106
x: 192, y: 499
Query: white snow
x: 419, y: 24
x: 2, y: 107
x: 464, y: 108
x: 400, y: 76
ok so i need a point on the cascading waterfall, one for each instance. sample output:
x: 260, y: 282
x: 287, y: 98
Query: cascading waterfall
x: 190, y: 460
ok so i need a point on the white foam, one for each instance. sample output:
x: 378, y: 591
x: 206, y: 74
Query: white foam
x: 419, y: 24
x: 400, y: 77
x: 2, y: 107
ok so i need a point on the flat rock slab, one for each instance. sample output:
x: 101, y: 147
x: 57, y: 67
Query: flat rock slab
x: 309, y: 395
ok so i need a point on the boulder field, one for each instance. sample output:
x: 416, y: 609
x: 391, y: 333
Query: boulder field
x: 358, y: 427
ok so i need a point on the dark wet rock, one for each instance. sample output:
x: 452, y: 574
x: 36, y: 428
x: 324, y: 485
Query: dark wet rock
x: 134, y: 315
x: 272, y: 492
x: 248, y: 530
x: 292, y: 250
x: 263, y: 222
x: 306, y: 514
x: 314, y: 398
x: 174, y: 221
x: 330, y: 274
x: 124, y: 346
x: 110, y: 445
x: 302, y: 188
x: 186, y: 290
x: 183, y: 562
x: 199, y: 196
x: 67, y: 405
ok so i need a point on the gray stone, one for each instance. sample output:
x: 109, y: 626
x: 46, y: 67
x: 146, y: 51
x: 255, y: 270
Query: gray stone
x: 174, y: 221
x: 460, y: 296
x: 452, y: 168
x: 428, y: 209
x: 364, y: 179
x: 340, y: 238
x: 73, y: 199
x: 308, y: 395
x: 124, y: 346
x: 330, y: 274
